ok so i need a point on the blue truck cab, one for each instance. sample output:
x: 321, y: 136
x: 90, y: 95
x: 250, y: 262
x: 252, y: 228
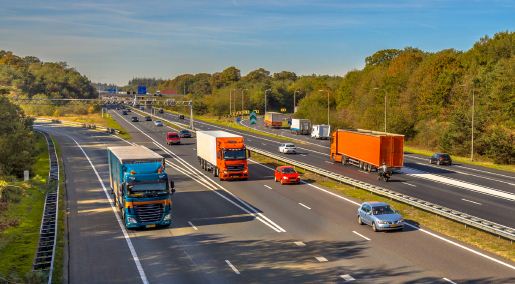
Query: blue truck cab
x: 141, y: 187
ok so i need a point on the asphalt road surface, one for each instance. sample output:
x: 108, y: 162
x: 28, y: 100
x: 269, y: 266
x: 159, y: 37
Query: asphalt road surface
x: 254, y: 231
x: 478, y: 191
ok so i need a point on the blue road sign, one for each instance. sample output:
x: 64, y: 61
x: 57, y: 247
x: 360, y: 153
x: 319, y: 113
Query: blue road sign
x: 142, y: 90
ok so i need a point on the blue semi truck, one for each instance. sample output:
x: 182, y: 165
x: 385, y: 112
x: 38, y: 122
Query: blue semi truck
x: 141, y: 187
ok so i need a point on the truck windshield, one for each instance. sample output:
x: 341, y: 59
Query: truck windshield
x: 235, y: 154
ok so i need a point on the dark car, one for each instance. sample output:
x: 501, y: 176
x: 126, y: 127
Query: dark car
x: 161, y: 110
x: 124, y: 112
x: 440, y: 159
x: 134, y: 119
x: 185, y: 133
x: 148, y: 118
x: 181, y: 116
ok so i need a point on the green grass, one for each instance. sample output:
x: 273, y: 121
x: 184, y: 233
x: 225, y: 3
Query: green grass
x: 480, y: 239
x: 110, y: 122
x: 18, y: 243
x: 463, y: 160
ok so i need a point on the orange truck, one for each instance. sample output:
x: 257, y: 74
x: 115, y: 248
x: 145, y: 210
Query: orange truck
x: 367, y: 149
x: 222, y: 153
x: 277, y: 120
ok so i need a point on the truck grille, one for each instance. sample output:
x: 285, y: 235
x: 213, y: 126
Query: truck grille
x: 149, y: 212
x: 236, y: 168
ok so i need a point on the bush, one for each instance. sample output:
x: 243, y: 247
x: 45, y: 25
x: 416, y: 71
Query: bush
x: 499, y: 145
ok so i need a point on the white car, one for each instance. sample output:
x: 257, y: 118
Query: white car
x: 158, y: 123
x: 287, y: 148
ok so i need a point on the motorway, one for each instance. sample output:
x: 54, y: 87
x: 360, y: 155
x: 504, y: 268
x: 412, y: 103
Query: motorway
x: 481, y: 192
x: 255, y: 231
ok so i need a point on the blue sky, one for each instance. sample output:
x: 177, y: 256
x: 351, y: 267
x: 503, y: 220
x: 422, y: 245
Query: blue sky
x: 114, y: 41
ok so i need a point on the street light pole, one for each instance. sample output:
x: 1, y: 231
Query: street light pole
x: 267, y: 90
x: 242, y: 94
x: 294, y: 101
x: 230, y: 102
x: 327, y: 104
x: 472, y: 142
x: 384, y: 106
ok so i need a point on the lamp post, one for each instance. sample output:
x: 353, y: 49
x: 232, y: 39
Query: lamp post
x: 472, y: 123
x: 267, y: 90
x: 384, y: 106
x: 321, y: 90
x: 242, y: 94
x: 230, y: 101
x: 294, y: 101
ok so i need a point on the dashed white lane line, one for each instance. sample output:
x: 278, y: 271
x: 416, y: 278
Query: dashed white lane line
x: 307, y: 207
x: 329, y: 162
x: 303, y: 155
x: 193, y: 226
x: 264, y: 144
x: 321, y: 259
x: 407, y: 183
x: 477, y: 203
x: 361, y: 235
x: 449, y: 280
x: 347, y: 277
x: 300, y: 244
x: 232, y: 267
x: 269, y: 187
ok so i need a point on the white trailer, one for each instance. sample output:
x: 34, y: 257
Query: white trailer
x: 321, y: 131
x: 300, y: 126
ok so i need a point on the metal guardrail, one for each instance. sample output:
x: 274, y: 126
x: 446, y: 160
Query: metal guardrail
x: 469, y: 220
x: 44, y: 258
x: 478, y: 223
x: 83, y: 125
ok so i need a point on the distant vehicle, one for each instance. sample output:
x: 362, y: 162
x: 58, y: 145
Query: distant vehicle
x: 142, y: 108
x: 223, y: 153
x: 139, y: 183
x: 185, y: 133
x: 173, y: 138
x: 134, y: 119
x: 148, y: 118
x: 287, y: 148
x: 181, y: 116
x: 286, y: 174
x: 367, y: 149
x: 158, y: 123
x: 380, y: 216
x: 161, y: 110
x: 441, y: 159
x: 277, y: 120
x: 128, y: 110
x: 125, y: 112
x: 321, y: 131
x: 300, y: 126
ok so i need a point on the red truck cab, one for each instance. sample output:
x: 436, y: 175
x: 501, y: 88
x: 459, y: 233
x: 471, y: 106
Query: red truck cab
x: 173, y: 138
x: 286, y: 174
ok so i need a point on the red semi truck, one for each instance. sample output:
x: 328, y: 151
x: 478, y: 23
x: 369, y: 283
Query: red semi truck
x: 367, y: 149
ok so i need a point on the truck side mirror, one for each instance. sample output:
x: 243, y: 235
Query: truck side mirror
x: 248, y: 154
x: 172, y: 186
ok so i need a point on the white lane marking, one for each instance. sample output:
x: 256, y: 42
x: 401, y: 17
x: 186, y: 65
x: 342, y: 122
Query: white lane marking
x: 407, y: 183
x: 269, y: 187
x: 329, y: 162
x: 321, y: 259
x: 361, y: 235
x: 482, y: 171
x: 449, y: 280
x: 194, y: 149
x: 303, y: 155
x: 264, y: 144
x: 200, y: 177
x: 467, y: 174
x: 304, y: 206
x: 135, y: 257
x: 471, y: 201
x: 300, y: 244
x: 193, y: 226
x: 232, y: 267
x: 458, y: 183
x: 347, y: 277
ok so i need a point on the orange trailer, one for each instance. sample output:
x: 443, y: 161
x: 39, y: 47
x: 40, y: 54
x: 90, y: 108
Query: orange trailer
x: 367, y: 149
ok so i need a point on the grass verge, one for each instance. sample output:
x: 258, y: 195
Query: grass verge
x: 462, y: 160
x: 441, y: 225
x: 22, y: 220
x: 57, y: 276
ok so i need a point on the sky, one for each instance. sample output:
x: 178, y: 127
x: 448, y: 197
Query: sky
x: 115, y: 41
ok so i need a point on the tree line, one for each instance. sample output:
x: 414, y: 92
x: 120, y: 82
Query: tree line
x: 429, y: 95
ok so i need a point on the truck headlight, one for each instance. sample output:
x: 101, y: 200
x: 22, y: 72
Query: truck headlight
x: 225, y: 172
x: 132, y: 220
x: 167, y: 217
x: 245, y: 171
x: 285, y: 177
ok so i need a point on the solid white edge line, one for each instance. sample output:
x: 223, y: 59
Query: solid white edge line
x: 232, y: 267
x: 347, y: 277
x: 135, y: 257
x: 307, y: 207
x: 361, y: 235
x: 300, y: 244
x: 321, y: 259
x: 414, y: 227
x: 193, y: 226
x: 407, y: 183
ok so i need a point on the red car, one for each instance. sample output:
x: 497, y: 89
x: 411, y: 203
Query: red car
x: 286, y: 174
x: 173, y: 138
